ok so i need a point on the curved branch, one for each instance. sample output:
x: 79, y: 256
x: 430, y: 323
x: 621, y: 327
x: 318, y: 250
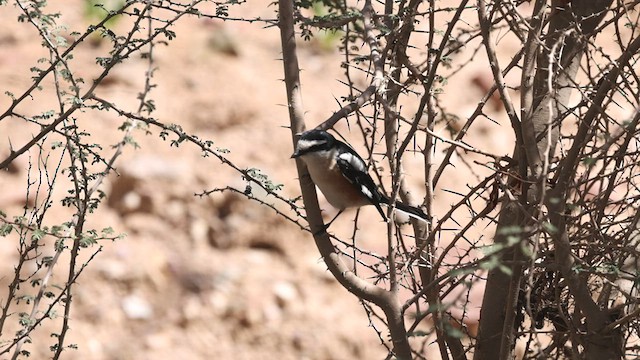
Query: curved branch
x: 386, y: 300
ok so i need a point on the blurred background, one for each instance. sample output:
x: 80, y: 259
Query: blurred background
x: 200, y: 277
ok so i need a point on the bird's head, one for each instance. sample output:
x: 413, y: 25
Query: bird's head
x: 313, y: 141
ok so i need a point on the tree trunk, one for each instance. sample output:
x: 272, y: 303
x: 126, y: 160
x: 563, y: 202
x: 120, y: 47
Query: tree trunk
x: 496, y: 331
x: 542, y: 106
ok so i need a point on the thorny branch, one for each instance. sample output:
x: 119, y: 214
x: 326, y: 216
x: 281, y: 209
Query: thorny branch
x: 542, y: 44
x: 84, y: 178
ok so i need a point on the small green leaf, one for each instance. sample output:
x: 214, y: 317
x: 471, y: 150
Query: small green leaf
x: 549, y: 227
x: 510, y: 230
x: 25, y: 320
x: 455, y: 332
x: 490, y: 264
x: 491, y: 249
x: 37, y: 235
x: 87, y: 240
x: 505, y: 270
x: 5, y: 229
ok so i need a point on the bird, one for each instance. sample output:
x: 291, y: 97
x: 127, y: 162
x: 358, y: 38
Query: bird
x: 342, y: 176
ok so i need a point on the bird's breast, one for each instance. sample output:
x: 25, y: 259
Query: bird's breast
x: 327, y: 176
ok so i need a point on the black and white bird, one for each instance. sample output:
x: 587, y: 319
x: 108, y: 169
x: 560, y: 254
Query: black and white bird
x: 342, y: 175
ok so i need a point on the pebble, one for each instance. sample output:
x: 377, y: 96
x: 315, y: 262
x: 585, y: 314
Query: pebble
x: 136, y: 307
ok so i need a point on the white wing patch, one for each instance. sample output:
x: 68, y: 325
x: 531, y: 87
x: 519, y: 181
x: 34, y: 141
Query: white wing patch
x: 353, y: 161
x: 366, y: 191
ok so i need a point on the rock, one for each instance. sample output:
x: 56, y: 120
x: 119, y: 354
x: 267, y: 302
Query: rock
x: 8, y: 38
x: 272, y: 313
x: 219, y: 303
x: 136, y: 307
x: 126, y: 196
x: 285, y: 293
x: 192, y: 309
x: 196, y: 282
x: 137, y: 202
x: 199, y: 230
x: 174, y: 211
x: 250, y: 316
x: 130, y: 192
x: 220, y: 41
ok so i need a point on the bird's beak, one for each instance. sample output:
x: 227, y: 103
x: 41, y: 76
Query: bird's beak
x: 296, y: 154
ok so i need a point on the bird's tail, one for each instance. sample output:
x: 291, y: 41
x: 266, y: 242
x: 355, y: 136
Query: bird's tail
x: 412, y: 211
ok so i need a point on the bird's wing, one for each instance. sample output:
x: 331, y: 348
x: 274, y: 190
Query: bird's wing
x: 354, y: 170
